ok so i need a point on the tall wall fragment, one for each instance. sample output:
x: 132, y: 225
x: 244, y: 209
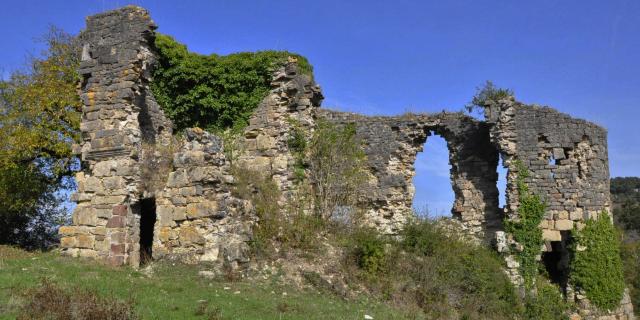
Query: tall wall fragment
x: 391, y: 145
x: 568, y: 164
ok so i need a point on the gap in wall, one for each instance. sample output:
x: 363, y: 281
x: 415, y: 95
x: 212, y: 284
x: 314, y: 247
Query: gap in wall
x: 502, y: 183
x: 556, y: 260
x: 432, y: 181
x: 147, y: 223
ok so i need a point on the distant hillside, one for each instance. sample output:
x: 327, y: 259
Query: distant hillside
x: 625, y: 195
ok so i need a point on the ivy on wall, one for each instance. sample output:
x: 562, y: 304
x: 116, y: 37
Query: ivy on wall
x: 597, y: 267
x: 211, y: 91
x: 526, y: 230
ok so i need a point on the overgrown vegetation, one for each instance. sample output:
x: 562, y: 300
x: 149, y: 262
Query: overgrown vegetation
x: 546, y: 304
x: 597, y: 267
x: 630, y: 253
x: 526, y: 229
x: 39, y: 120
x: 279, y: 225
x: 168, y: 291
x: 52, y: 302
x: 297, y: 144
x: 211, y: 91
x: 486, y: 93
x: 625, y: 193
x: 337, y: 168
x: 441, y: 275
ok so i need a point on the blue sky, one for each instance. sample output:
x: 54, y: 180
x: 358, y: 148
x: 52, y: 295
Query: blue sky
x: 388, y: 57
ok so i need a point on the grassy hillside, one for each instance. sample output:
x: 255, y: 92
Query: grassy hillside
x: 170, y: 291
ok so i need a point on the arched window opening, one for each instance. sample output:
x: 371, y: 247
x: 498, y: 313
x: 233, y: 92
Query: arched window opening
x: 434, y: 194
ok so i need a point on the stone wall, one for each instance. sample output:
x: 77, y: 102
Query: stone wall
x: 128, y: 154
x: 391, y: 145
x: 118, y: 116
x: 568, y: 164
x: 263, y: 148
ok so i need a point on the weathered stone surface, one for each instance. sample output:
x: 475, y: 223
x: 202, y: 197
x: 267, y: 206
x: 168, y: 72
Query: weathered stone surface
x: 391, y: 145
x: 189, y: 236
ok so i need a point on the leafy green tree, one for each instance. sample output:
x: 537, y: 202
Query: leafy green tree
x: 39, y: 121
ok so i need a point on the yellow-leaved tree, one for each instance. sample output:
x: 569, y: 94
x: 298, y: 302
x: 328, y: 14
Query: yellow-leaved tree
x: 39, y: 121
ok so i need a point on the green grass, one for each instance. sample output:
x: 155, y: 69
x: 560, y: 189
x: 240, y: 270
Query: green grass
x: 173, y: 291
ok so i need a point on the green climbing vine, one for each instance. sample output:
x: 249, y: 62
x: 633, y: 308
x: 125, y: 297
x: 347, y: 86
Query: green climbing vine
x: 597, y: 267
x: 214, y: 92
x: 525, y: 229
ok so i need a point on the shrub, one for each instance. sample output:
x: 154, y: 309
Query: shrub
x: 50, y: 301
x: 211, y: 91
x: 369, y: 250
x: 525, y: 229
x: 488, y: 92
x: 546, y: 304
x: 443, y: 276
x: 285, y: 224
x: 598, y: 268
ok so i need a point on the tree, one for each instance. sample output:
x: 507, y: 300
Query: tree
x: 337, y: 167
x: 39, y: 121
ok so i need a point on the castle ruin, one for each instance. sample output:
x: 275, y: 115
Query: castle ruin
x: 123, y: 217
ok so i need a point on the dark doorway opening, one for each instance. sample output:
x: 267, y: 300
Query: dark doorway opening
x: 147, y: 223
x: 556, y: 261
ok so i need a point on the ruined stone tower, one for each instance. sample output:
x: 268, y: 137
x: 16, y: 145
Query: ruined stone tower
x: 184, y: 208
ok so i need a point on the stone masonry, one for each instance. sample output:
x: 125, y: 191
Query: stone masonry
x: 391, y: 145
x: 145, y: 193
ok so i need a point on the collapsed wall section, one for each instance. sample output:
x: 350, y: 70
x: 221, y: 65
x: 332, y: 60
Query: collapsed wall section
x: 391, y: 145
x: 263, y: 148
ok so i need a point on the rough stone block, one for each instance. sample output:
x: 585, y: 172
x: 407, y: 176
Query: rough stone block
x: 165, y: 234
x: 68, y: 242
x: 113, y: 183
x: 551, y: 235
x: 93, y: 184
x: 120, y: 210
x: 116, y: 222
x: 203, y: 209
x: 179, y: 213
x: 564, y: 225
x: 85, y: 216
x: 85, y: 241
x: 189, y: 235
x: 118, y: 249
x: 118, y: 237
x: 67, y: 230
x: 178, y: 179
x: 265, y: 142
